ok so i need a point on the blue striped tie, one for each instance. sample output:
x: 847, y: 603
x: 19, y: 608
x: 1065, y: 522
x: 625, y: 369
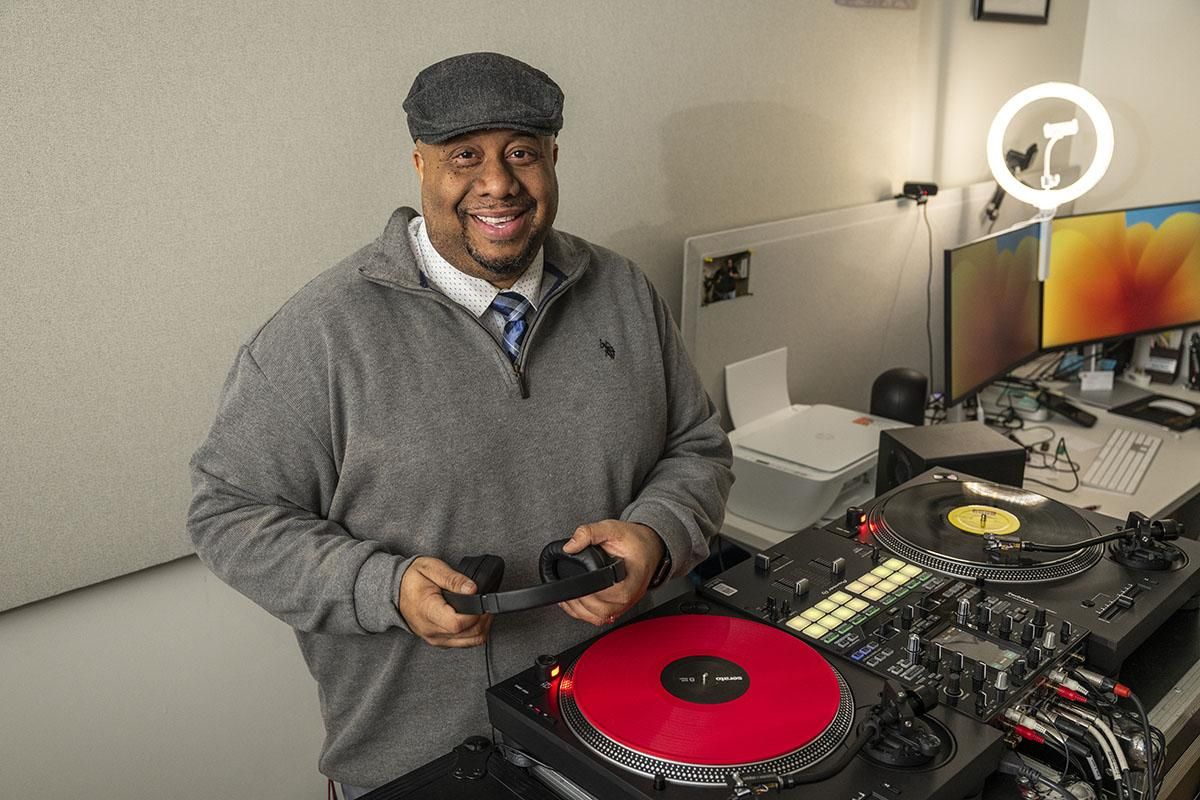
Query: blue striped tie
x: 513, y: 308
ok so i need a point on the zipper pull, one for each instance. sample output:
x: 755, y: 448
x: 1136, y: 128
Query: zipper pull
x: 521, y: 380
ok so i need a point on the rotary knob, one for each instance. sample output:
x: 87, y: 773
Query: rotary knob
x: 1006, y: 623
x: 1001, y: 686
x: 983, y: 617
x: 964, y: 611
x: 1027, y: 634
x: 1034, y: 657
x: 978, y: 676
x: 913, y: 648
x: 906, y: 618
x: 1066, y: 632
x: 1039, y: 618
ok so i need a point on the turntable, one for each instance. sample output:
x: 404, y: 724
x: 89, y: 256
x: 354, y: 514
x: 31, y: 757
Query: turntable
x: 1028, y: 578
x: 675, y: 702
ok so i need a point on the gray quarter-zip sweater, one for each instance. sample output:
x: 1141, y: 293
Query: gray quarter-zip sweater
x: 372, y: 420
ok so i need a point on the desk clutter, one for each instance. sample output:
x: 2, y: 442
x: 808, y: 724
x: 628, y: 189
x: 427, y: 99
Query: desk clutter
x: 911, y: 648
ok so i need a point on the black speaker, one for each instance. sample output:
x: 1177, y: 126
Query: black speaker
x: 967, y: 447
x: 899, y: 394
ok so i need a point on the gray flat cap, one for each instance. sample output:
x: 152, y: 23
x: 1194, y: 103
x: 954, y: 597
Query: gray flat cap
x: 478, y: 91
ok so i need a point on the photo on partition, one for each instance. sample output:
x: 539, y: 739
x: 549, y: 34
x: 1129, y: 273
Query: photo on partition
x: 726, y: 277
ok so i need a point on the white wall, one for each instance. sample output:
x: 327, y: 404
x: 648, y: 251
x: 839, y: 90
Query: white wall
x: 172, y: 172
x: 161, y: 684
x: 1142, y: 61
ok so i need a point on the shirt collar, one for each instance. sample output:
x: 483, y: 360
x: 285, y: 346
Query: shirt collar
x: 474, y: 294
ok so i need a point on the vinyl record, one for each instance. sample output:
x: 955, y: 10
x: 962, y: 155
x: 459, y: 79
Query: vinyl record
x: 945, y: 525
x: 704, y: 691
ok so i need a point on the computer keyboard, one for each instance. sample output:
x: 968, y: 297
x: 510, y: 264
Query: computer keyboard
x: 1122, y: 461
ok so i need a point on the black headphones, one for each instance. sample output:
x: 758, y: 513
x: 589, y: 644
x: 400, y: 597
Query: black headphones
x: 565, y: 576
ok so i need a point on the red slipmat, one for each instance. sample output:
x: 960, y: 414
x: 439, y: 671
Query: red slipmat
x: 791, y: 698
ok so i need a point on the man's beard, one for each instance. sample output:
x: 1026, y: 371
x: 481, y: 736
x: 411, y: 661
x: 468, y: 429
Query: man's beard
x: 506, y: 267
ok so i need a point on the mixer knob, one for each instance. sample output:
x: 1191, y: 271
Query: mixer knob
x: 1018, y: 669
x: 983, y: 617
x: 801, y: 587
x: 1066, y: 632
x: 1039, y: 617
x: 933, y: 656
x: 1001, y: 686
x: 1049, y: 642
x: 906, y: 618
x: 1006, y: 623
x: 914, y: 649
x: 772, y: 614
x: 978, y: 676
x: 958, y: 662
x: 838, y: 568
x: 1027, y: 634
x: 1034, y: 657
x: 954, y: 685
x: 964, y: 611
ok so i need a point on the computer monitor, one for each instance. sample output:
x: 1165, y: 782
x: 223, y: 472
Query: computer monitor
x: 992, y: 309
x: 1121, y: 273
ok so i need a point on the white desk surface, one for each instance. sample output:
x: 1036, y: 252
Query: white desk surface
x: 1172, y: 480
x: 1173, y: 477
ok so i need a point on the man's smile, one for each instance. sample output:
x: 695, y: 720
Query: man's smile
x: 500, y: 225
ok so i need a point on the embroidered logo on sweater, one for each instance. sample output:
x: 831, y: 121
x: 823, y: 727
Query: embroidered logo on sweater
x: 608, y: 349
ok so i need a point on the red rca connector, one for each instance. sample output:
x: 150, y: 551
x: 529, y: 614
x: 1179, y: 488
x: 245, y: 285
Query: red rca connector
x: 1031, y: 735
x: 1068, y: 693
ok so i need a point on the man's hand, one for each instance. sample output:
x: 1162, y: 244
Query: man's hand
x: 429, y: 615
x: 641, y: 548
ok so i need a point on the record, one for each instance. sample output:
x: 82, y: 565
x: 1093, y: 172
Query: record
x: 946, y: 524
x: 687, y: 695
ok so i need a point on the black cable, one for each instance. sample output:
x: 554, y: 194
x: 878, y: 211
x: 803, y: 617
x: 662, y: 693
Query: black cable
x: 929, y: 290
x: 1066, y: 764
x: 1148, y: 790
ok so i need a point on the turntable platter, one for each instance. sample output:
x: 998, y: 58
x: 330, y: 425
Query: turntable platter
x: 942, y: 525
x: 692, y: 696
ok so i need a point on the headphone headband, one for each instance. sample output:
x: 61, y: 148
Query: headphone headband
x: 542, y: 594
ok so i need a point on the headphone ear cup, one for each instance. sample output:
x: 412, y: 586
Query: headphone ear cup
x: 555, y: 565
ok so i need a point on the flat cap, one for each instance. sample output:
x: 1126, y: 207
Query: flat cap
x: 478, y: 91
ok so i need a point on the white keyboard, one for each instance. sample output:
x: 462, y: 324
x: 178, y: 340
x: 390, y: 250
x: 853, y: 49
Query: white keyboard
x: 1122, y: 461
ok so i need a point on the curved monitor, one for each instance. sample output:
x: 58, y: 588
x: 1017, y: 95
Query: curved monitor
x: 1122, y: 273
x: 992, y: 309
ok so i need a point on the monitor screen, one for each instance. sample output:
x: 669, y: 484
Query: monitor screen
x: 1122, y: 273
x: 992, y: 309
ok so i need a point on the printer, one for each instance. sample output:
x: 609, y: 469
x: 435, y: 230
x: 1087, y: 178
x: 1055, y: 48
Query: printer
x: 793, y: 464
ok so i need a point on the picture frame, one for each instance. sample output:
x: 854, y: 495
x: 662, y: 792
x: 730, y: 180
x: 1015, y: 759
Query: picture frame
x: 1030, y: 12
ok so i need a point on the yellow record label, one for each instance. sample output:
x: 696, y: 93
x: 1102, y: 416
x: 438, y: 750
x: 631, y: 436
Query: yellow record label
x: 981, y: 520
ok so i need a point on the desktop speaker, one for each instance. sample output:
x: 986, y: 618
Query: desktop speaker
x: 967, y: 447
x: 899, y: 394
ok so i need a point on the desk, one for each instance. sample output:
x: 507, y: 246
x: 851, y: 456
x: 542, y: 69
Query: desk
x: 1170, y: 486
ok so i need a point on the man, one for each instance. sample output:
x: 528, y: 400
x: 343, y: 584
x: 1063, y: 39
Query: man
x: 472, y: 382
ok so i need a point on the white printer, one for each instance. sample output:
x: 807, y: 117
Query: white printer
x: 793, y: 463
